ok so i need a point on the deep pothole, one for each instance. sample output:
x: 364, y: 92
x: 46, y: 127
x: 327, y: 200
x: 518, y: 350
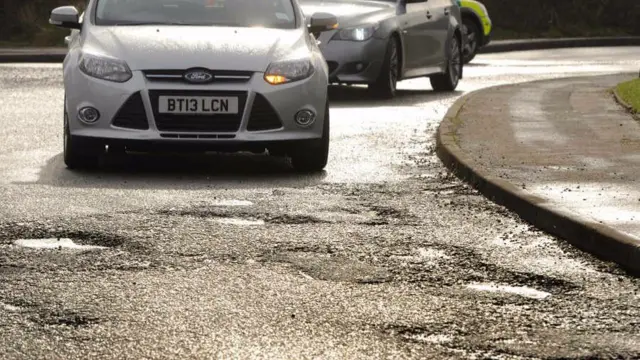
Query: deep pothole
x: 55, y: 244
x: 243, y: 218
x: 447, y: 265
x: 45, y: 236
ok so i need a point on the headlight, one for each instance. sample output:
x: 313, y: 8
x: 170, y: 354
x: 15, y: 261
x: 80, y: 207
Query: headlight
x: 105, y: 68
x: 361, y: 33
x: 288, y: 71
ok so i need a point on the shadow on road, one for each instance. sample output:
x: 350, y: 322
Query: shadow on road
x: 359, y: 96
x: 180, y: 172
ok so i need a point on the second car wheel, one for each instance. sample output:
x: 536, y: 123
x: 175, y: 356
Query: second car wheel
x: 448, y: 81
x: 314, y: 155
x: 471, y: 32
x: 79, y: 154
x: 385, y: 85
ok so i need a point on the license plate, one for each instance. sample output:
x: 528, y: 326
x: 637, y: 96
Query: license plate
x: 197, y: 105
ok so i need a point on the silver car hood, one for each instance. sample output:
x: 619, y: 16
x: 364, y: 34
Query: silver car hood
x: 182, y: 47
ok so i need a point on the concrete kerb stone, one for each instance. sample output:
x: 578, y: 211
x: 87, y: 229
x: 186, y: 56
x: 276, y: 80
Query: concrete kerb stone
x: 586, y: 234
x: 624, y: 104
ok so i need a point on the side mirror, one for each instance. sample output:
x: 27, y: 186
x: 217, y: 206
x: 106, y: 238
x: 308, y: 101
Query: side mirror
x: 321, y: 22
x: 66, y: 17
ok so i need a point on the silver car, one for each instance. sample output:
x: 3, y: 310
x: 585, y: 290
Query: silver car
x: 222, y: 75
x: 380, y: 42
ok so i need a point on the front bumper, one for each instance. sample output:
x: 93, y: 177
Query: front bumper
x: 129, y: 111
x: 353, y: 62
x: 488, y: 31
x: 193, y: 144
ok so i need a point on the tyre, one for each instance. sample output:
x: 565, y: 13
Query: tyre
x: 79, y: 154
x: 471, y: 34
x: 385, y: 85
x: 313, y: 156
x: 448, y: 81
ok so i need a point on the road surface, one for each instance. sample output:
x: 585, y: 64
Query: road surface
x: 384, y: 255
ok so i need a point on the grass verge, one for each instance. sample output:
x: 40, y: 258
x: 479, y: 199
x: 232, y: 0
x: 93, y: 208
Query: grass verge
x: 629, y: 92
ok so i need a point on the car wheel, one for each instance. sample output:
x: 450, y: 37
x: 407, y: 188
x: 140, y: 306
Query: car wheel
x: 448, y: 81
x: 471, y: 33
x: 313, y: 156
x: 79, y: 154
x: 385, y: 85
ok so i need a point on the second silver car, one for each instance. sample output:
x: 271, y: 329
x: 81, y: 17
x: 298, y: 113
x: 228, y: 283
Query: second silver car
x: 380, y: 42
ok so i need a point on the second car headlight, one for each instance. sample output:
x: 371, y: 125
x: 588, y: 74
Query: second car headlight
x: 288, y: 71
x: 360, y: 33
x: 105, y: 68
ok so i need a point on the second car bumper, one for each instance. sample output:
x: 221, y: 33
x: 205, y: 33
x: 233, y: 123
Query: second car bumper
x: 488, y: 30
x: 353, y: 62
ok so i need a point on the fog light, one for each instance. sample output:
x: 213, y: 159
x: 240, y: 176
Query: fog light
x: 305, y: 118
x: 89, y: 115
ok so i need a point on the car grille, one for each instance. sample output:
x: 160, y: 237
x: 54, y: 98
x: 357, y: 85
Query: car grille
x: 197, y: 136
x: 263, y: 116
x: 219, y: 76
x: 198, y: 123
x: 132, y: 114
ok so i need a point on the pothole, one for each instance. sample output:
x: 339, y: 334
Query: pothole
x: 46, y: 232
x: 55, y: 244
x: 333, y: 268
x: 236, y: 217
x: 422, y: 255
x: 463, y: 265
x: 438, y: 335
x: 296, y: 219
x: 232, y: 203
x: 239, y: 221
x: 65, y: 318
x: 431, y: 339
x: 517, y: 290
x: 9, y: 307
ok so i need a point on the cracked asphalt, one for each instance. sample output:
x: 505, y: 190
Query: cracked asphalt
x: 384, y: 255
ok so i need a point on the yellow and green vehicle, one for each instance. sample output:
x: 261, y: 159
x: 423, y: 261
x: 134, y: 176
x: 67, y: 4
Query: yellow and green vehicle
x: 477, y: 27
